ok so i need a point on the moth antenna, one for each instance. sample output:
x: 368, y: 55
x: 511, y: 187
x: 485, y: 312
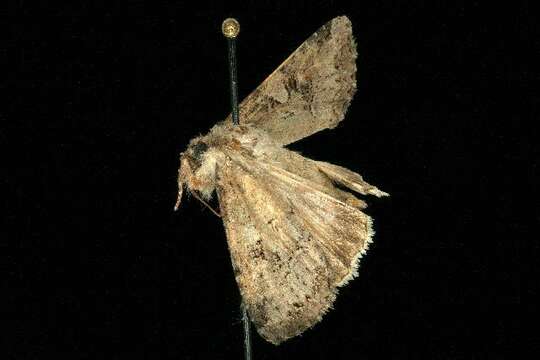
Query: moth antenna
x: 231, y: 29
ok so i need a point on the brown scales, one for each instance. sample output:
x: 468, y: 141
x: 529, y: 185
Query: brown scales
x: 293, y: 234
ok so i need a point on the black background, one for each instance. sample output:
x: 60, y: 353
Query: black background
x: 101, y: 100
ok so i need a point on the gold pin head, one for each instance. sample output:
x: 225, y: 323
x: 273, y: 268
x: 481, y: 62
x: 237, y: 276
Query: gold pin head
x: 230, y: 28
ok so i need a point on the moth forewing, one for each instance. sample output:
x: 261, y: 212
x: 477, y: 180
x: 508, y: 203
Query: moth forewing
x: 292, y: 245
x: 310, y: 91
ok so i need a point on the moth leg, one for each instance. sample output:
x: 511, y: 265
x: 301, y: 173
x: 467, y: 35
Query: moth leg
x: 180, y: 185
x: 179, y: 197
x: 205, y: 203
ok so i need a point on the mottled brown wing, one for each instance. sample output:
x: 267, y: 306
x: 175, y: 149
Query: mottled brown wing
x: 311, y: 90
x: 291, y: 245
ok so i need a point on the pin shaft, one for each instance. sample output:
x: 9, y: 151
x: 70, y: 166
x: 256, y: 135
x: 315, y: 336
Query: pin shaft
x: 247, y: 333
x: 231, y: 44
x: 230, y: 29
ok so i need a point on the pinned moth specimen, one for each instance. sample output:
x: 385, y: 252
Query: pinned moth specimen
x: 295, y: 228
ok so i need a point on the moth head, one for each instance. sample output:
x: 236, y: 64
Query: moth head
x: 197, y: 171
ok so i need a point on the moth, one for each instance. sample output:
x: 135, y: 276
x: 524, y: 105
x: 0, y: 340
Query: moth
x: 295, y: 226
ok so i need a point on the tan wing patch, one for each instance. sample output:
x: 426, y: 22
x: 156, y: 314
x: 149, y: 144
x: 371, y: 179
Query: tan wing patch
x: 349, y: 179
x: 291, y: 245
x: 308, y: 92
